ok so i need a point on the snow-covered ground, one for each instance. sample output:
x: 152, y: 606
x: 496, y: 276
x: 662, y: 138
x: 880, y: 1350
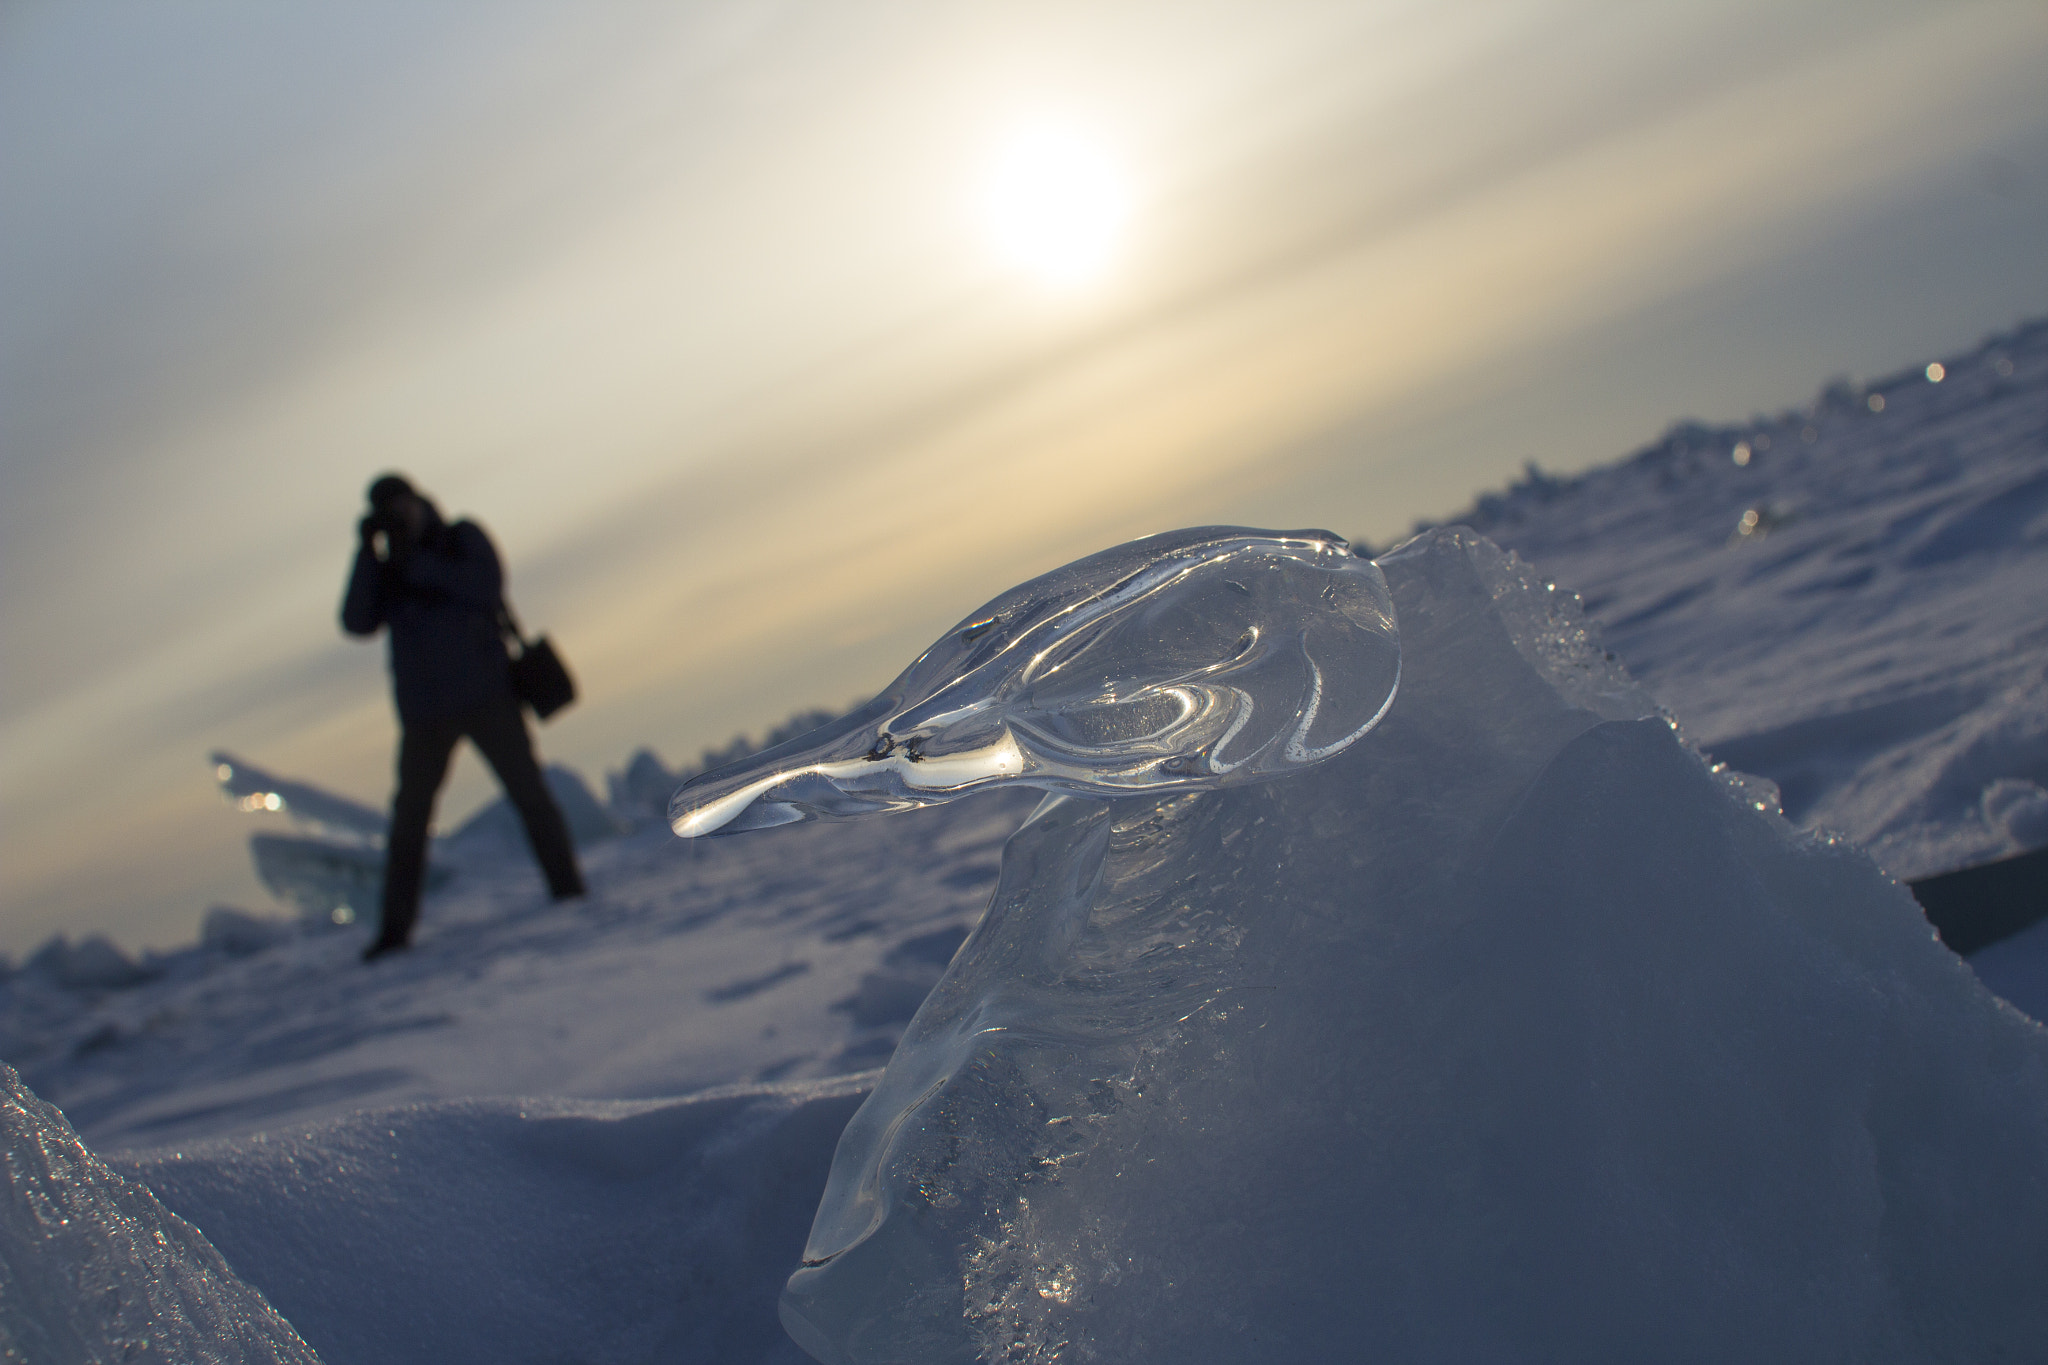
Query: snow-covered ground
x: 1850, y: 599
x: 690, y: 965
x: 366, y: 1146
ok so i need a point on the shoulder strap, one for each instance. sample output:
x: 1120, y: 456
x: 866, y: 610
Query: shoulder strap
x: 508, y: 624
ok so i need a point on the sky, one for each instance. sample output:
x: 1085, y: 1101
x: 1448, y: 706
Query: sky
x: 769, y: 339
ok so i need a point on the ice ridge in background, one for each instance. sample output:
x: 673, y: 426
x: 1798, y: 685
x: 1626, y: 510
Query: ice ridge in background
x: 332, y: 871
x: 252, y: 789
x: 1845, y: 598
x: 1513, y: 1022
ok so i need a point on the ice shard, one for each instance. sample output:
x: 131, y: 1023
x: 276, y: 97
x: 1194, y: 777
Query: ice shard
x: 1510, y: 1031
x: 251, y: 788
x: 93, y: 1268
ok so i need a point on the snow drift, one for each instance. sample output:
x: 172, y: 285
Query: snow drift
x: 537, y: 1230
x: 1515, y: 1027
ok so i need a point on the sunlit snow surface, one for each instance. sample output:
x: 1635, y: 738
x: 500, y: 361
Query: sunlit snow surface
x: 1511, y: 1023
x: 1881, y: 651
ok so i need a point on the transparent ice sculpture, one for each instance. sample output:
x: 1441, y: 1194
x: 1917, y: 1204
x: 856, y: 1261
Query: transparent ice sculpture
x: 1180, y: 662
x: 1498, y: 1027
x: 1127, y: 684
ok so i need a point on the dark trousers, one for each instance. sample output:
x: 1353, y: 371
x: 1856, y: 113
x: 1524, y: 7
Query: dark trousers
x: 498, y: 729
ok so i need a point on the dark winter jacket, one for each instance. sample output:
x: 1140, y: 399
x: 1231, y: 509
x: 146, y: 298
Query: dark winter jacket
x: 441, y: 602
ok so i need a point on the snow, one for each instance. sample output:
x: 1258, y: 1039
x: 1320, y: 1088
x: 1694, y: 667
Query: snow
x: 1874, y: 646
x: 538, y: 1230
x: 2018, y: 809
x: 93, y: 963
x: 689, y: 966
x: 238, y: 933
x: 2017, y: 969
x: 1878, y: 645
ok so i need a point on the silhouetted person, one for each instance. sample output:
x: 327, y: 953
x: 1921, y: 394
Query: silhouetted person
x: 438, y: 589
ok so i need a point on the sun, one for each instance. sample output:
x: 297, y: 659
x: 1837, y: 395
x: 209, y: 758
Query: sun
x: 1055, y: 205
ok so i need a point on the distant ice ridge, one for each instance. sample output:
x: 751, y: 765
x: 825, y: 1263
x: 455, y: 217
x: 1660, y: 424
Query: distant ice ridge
x: 330, y: 870
x: 93, y: 1268
x: 1845, y: 598
x: 1513, y: 1029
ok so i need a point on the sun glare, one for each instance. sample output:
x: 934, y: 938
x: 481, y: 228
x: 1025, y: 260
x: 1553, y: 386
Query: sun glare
x: 1055, y: 205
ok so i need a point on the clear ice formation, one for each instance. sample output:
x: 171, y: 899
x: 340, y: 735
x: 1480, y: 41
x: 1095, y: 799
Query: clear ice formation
x: 93, y: 1268
x: 250, y: 788
x: 334, y: 873
x: 1512, y: 1031
x: 1191, y: 660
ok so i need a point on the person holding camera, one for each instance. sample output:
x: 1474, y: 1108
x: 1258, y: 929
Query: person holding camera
x: 438, y: 590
